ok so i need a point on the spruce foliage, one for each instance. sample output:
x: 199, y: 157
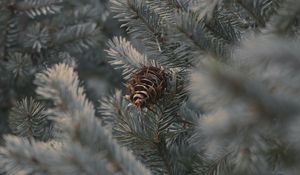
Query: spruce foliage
x: 35, y: 34
x: 230, y: 105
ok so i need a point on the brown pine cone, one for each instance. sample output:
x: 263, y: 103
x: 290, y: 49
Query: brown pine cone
x: 146, y: 86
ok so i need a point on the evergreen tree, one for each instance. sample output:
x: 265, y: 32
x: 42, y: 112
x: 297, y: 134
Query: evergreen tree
x: 211, y: 87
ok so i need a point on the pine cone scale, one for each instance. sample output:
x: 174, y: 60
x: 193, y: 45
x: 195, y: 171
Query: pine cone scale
x: 146, y: 86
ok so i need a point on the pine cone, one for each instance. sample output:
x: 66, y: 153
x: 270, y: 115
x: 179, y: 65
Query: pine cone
x: 146, y: 86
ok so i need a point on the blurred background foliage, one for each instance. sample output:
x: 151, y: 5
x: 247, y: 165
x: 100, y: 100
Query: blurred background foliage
x: 35, y: 34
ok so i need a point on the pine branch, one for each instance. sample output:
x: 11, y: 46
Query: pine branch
x: 237, y: 86
x: 28, y: 119
x: 195, y: 35
x: 131, y: 130
x: 184, y: 127
x: 29, y: 157
x: 145, y: 133
x: 218, y: 31
x: 141, y: 22
x: 77, y: 38
x: 148, y: 20
x: 19, y: 65
x: 11, y: 29
x: 35, y: 8
x: 225, y: 24
x: 124, y: 55
x: 286, y: 16
x: 250, y: 9
x: 61, y: 85
x: 259, y: 10
x: 36, y: 38
x: 205, y: 7
x: 167, y: 8
x: 263, y: 55
x: 91, y: 12
x: 219, y: 166
x: 173, y: 53
x: 220, y: 25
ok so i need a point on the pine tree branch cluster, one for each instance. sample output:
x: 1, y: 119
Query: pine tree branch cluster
x: 35, y: 34
x: 212, y: 88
